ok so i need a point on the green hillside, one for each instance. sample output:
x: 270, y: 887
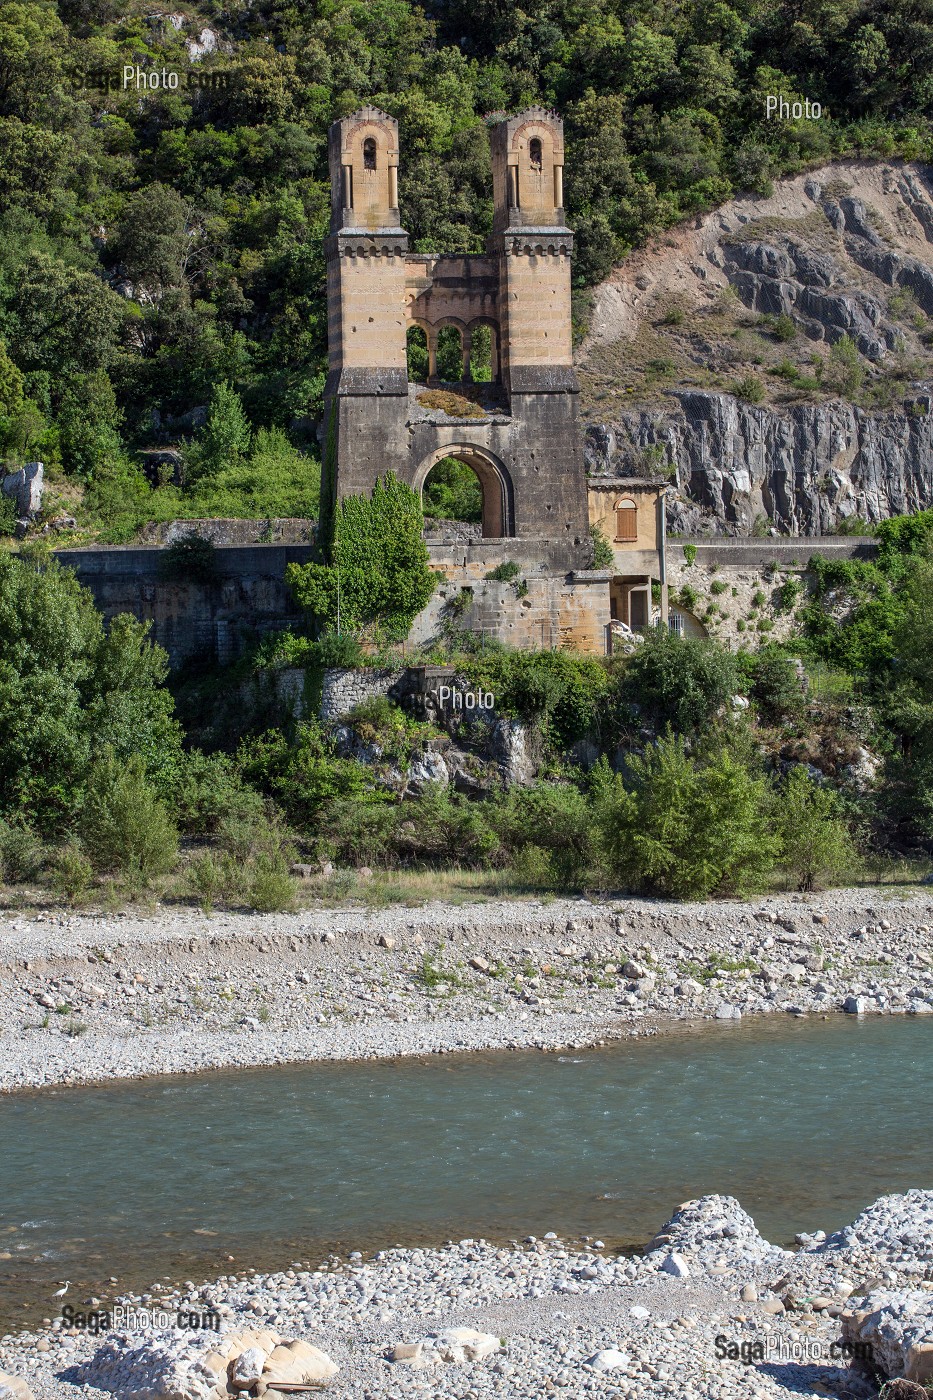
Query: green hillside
x: 162, y: 247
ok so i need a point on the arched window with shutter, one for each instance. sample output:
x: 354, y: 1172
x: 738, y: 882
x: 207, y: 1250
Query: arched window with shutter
x: 626, y: 520
x: 369, y: 153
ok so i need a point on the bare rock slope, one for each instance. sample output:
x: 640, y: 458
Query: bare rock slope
x: 773, y: 360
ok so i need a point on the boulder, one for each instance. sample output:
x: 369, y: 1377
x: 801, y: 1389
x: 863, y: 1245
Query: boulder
x: 409, y: 1352
x: 14, y: 1388
x: 609, y: 1360
x: 424, y: 769
x: 898, y: 1327
x: 509, y: 744
x: 26, y: 486
x: 298, y: 1363
x: 460, y: 1344
x: 246, y: 1370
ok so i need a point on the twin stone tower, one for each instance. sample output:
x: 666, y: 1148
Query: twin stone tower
x: 526, y: 447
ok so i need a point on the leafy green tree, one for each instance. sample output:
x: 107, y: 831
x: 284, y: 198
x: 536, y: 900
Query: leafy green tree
x: 378, y: 575
x: 226, y: 438
x: 65, y: 320
x: 69, y: 690
x: 686, y: 826
x: 154, y: 241
x: 89, y: 424
x: 815, y: 843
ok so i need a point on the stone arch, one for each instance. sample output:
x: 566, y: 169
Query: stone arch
x: 417, y: 354
x: 493, y: 477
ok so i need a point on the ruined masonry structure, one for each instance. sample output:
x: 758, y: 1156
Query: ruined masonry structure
x: 527, y: 449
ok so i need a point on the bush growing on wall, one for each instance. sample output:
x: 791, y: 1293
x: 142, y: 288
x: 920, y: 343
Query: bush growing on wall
x: 377, y: 575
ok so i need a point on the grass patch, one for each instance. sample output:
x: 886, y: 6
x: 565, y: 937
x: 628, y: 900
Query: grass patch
x: 454, y: 405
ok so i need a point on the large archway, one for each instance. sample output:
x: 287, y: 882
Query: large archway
x: 498, y: 510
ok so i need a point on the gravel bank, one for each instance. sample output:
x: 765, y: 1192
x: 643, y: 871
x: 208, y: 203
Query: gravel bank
x: 560, y: 1318
x: 86, y: 998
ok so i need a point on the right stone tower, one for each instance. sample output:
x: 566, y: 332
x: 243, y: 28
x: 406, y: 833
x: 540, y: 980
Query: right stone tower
x: 533, y: 245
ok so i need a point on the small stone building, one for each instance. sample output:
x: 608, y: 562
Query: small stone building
x: 629, y: 512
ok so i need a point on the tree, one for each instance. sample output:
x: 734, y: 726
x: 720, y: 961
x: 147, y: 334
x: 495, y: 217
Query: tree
x: 378, y: 576
x: 66, y: 320
x: 815, y: 841
x: 680, y: 681
x: 226, y: 439
x: 685, y: 826
x: 154, y: 240
x: 69, y: 689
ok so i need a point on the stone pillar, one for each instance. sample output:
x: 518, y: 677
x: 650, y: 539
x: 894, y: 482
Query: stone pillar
x: 466, y: 344
x: 431, y: 334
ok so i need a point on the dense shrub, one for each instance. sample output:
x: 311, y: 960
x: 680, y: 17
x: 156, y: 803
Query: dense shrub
x: 774, y: 685
x: 684, y: 826
x: 190, y: 559
x: 555, y: 822
x: 21, y: 853
x: 69, y: 689
x: 305, y: 774
x: 445, y: 827
x: 815, y: 843
x: 680, y: 681
x: 204, y: 789
x: 123, y: 826
x: 560, y: 691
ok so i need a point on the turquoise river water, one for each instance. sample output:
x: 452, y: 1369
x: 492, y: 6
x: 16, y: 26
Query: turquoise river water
x: 806, y: 1121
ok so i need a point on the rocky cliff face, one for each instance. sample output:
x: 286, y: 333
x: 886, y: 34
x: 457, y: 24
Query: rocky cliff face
x: 806, y: 469
x: 773, y: 362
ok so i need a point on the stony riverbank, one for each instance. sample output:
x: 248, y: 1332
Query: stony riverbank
x: 85, y: 997
x: 553, y: 1318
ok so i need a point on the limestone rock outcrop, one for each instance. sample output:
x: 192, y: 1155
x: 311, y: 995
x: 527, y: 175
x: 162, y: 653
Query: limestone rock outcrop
x: 805, y: 468
x: 169, y: 1367
x: 844, y: 251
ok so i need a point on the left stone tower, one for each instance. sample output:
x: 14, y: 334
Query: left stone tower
x: 366, y: 396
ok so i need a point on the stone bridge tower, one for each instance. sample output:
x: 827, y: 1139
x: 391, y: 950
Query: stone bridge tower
x: 521, y: 436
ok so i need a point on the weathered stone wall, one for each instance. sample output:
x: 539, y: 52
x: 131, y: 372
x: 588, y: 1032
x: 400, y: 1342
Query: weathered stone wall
x: 195, y: 621
x: 214, y: 621
x: 286, y: 530
x: 542, y: 606
x: 344, y: 689
x: 740, y: 584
